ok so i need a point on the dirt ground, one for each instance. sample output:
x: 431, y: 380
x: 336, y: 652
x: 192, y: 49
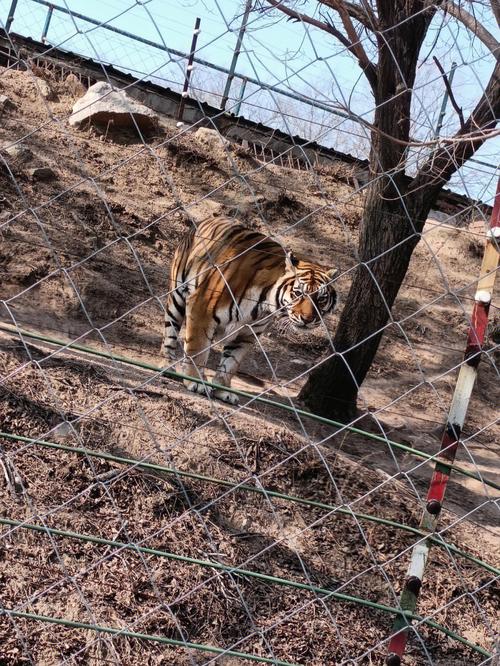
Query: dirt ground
x: 85, y: 256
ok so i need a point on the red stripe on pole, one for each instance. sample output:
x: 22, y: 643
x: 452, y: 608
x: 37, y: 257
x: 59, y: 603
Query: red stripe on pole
x: 397, y: 643
x: 437, y: 486
x: 477, y: 329
x: 449, y: 443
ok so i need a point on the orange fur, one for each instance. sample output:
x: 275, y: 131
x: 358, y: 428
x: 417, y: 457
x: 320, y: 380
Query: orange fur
x: 226, y: 280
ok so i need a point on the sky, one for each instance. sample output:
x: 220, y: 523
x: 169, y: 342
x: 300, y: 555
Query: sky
x: 289, y: 55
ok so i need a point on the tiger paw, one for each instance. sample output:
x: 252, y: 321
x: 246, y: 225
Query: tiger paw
x: 199, y: 387
x: 225, y: 396
x: 170, y: 351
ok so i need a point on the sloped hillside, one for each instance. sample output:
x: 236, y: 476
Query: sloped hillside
x: 84, y: 255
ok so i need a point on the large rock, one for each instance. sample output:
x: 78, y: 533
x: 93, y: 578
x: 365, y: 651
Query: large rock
x: 44, y: 89
x: 102, y: 105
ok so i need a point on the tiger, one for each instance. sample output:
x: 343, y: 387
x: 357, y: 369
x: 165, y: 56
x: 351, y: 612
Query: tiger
x: 228, y: 282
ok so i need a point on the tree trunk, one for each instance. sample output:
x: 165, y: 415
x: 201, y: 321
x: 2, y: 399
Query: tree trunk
x: 394, y: 214
x: 332, y: 388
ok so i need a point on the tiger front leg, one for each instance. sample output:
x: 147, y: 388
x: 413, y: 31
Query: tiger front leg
x: 232, y: 356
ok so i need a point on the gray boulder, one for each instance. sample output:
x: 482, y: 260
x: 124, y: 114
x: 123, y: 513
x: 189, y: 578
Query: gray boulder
x: 102, y: 105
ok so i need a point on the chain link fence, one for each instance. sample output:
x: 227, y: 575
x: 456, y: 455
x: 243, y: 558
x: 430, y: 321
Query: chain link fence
x: 144, y: 523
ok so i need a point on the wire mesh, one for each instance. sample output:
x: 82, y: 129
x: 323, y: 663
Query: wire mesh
x: 145, y: 523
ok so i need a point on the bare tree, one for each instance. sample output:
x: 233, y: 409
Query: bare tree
x: 396, y: 208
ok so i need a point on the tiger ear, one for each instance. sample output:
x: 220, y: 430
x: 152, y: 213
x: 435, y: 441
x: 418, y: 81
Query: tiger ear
x: 291, y: 260
x: 332, y: 273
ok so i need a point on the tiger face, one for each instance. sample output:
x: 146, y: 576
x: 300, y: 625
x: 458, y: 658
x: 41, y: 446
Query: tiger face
x: 310, y: 293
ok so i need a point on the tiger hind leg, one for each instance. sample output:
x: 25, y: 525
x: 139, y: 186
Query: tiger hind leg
x: 200, y: 329
x: 174, y: 317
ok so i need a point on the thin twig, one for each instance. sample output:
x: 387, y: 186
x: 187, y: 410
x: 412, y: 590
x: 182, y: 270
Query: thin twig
x: 12, y: 479
x: 457, y: 108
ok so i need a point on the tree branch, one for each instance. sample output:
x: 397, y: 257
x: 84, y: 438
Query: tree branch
x: 363, y: 15
x: 352, y: 43
x: 470, y: 22
x: 298, y: 16
x: 447, y: 159
x: 495, y: 7
x: 453, y: 101
x: 356, y: 46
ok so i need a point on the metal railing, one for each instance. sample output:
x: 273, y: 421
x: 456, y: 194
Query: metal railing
x: 230, y: 72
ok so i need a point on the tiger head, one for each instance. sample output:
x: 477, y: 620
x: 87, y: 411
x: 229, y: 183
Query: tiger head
x: 308, y: 292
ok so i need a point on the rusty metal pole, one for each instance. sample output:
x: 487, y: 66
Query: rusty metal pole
x: 189, y: 69
x: 10, y: 16
x: 47, y: 23
x: 237, y: 51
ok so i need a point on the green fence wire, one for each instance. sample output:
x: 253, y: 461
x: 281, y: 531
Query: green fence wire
x: 145, y: 637
x: 172, y: 374
x: 235, y: 485
x: 339, y: 596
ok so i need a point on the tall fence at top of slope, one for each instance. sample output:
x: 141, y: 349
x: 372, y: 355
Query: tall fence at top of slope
x: 251, y: 95
x: 268, y: 144
x: 146, y: 515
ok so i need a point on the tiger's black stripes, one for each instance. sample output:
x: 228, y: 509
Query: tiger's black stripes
x: 225, y: 281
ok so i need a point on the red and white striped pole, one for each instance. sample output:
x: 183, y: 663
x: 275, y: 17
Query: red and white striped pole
x: 451, y: 436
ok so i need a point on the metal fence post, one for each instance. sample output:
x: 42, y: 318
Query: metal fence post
x: 47, y: 23
x: 189, y: 69
x: 236, y: 54
x: 10, y: 16
x: 444, y: 102
x: 244, y: 82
